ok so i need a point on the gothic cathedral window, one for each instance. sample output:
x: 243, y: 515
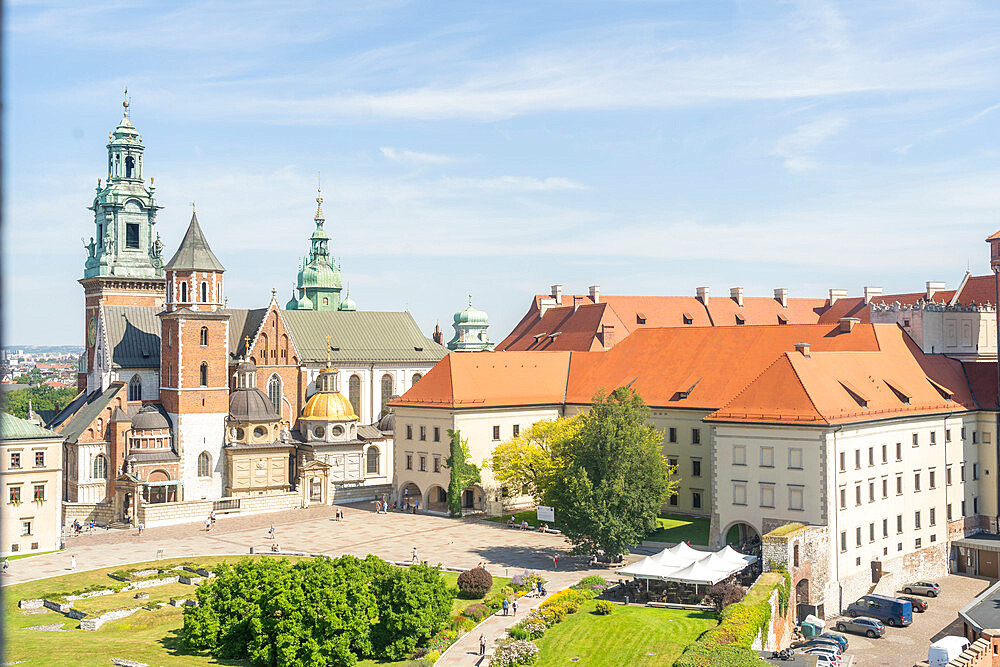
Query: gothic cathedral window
x: 204, y: 336
x: 387, y: 387
x: 184, y: 292
x: 204, y: 465
x: 204, y: 292
x: 204, y: 374
x: 100, y: 467
x: 135, y: 389
x: 274, y: 392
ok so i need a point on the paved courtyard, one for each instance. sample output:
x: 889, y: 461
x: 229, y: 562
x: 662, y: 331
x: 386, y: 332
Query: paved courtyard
x: 905, y: 647
x: 393, y: 536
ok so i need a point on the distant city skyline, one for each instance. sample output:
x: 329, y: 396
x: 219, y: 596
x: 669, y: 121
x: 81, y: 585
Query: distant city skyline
x: 646, y: 147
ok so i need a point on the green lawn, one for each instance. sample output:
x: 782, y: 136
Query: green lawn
x: 29, y: 555
x: 461, y: 603
x: 640, y: 636
x: 675, y: 528
x: 152, y: 637
x: 528, y: 515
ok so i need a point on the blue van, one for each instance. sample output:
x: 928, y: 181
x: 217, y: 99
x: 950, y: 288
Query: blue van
x: 891, y: 611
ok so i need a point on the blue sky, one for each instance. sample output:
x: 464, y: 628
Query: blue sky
x: 497, y: 148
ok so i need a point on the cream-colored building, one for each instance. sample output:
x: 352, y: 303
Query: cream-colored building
x: 31, y: 472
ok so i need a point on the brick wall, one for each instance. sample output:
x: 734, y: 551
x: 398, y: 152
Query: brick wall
x: 984, y: 652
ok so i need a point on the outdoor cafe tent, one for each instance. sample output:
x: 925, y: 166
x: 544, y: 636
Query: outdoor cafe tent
x: 683, y: 564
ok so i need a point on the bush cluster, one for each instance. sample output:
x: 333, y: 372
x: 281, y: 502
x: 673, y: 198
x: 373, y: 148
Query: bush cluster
x: 523, y: 581
x: 590, y: 582
x: 529, y: 628
x: 475, y: 583
x: 604, y: 607
x: 477, y: 611
x: 512, y: 652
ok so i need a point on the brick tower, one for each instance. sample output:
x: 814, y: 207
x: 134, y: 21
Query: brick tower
x: 124, y: 264
x: 194, y: 351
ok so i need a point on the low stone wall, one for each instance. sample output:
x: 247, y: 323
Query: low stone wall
x: 101, y: 513
x: 61, y: 607
x: 357, y: 494
x: 36, y: 603
x: 91, y: 594
x: 190, y: 511
x: 278, y: 502
x: 96, y: 622
x: 191, y: 581
x: 150, y: 583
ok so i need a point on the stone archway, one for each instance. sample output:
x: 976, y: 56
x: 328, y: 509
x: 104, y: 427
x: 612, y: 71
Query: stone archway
x: 473, y: 499
x: 743, y: 537
x: 802, y: 605
x: 437, y: 499
x: 410, y: 495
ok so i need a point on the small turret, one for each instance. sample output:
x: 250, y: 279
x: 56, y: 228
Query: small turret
x: 470, y: 330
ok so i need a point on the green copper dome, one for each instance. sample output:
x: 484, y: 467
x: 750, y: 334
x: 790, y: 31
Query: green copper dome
x: 471, y: 316
x: 347, y: 303
x: 305, y: 303
x: 293, y: 303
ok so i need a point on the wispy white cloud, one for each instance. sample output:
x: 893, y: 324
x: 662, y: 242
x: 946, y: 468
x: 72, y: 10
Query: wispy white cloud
x: 415, y: 157
x: 512, y: 183
x: 799, y: 148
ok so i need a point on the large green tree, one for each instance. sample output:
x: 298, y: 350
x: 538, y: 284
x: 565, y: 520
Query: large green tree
x: 613, y: 478
x: 462, y: 472
x: 529, y: 462
x: 42, y: 397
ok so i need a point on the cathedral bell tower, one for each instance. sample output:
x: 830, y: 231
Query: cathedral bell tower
x: 124, y: 265
x: 194, y: 362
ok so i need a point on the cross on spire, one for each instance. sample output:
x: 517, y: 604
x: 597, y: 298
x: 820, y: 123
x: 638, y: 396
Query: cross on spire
x: 246, y: 346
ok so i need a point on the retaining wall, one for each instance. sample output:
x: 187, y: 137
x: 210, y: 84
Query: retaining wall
x: 95, y: 623
x: 101, y: 513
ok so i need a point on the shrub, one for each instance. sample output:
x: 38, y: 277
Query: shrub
x: 507, y: 592
x: 552, y: 614
x: 477, y: 612
x: 590, y: 582
x: 512, y: 652
x: 432, y: 657
x: 724, y: 594
x: 604, y: 607
x: 494, y: 600
x: 460, y: 624
x: 567, y: 595
x: 475, y: 583
x: 523, y: 581
x: 529, y: 628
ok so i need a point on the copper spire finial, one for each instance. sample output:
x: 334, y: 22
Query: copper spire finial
x: 125, y: 101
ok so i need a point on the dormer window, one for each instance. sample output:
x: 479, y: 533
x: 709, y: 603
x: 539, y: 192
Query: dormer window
x: 740, y: 321
x: 688, y: 319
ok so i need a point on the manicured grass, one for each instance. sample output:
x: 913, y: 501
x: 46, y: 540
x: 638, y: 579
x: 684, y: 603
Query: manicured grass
x: 461, y: 603
x: 29, y: 555
x: 675, y: 528
x: 626, y: 637
x: 528, y: 515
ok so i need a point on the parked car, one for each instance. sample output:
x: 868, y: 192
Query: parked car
x: 825, y: 659
x: 928, y: 588
x: 919, y: 605
x: 892, y: 611
x: 840, y: 639
x: 826, y: 650
x: 870, y: 627
x: 945, y: 650
x: 817, y: 642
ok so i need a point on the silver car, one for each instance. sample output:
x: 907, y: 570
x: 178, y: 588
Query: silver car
x: 862, y: 625
x: 928, y: 588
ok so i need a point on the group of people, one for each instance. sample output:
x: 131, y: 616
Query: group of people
x: 209, y: 522
x: 79, y: 527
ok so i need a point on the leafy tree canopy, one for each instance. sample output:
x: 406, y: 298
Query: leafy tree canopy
x: 463, y: 473
x: 613, y: 478
x: 531, y: 460
x: 42, y: 397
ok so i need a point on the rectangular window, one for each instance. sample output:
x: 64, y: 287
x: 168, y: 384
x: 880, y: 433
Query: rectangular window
x: 796, y: 498
x: 975, y: 471
x: 437, y: 434
x: 933, y: 437
x: 857, y: 459
x: 26, y: 528
x: 409, y: 432
x: 843, y: 461
x: 409, y: 461
x: 916, y: 439
x: 423, y: 464
x: 132, y: 235
x: 916, y: 481
x: 672, y: 434
x: 932, y: 479
x: 843, y: 498
x: 871, y: 532
x: 39, y: 459
x: 695, y: 436
x: 423, y: 432
x: 963, y: 510
x: 767, y: 495
x: 14, y: 494
x: 15, y: 459
x: 885, y: 487
x: 795, y: 458
x: 739, y: 493
x: 843, y: 541
x: 885, y: 453
x: 899, y: 451
x: 517, y: 430
x: 673, y: 500
x: 871, y: 492
x: 857, y: 536
x: 857, y: 494
x: 437, y: 464
x: 672, y: 462
x: 39, y: 492
x: 932, y: 516
x: 917, y: 543
x: 739, y: 455
x: 947, y: 476
x: 986, y: 437
x: 975, y: 437
x: 871, y: 456
x: 767, y: 457
x: 963, y: 433
x: 975, y: 505
x: 696, y: 499
x: 947, y: 512
x: 916, y: 520
x: 885, y: 528
x: 696, y: 467
x: 899, y: 523
x: 496, y: 432
x: 947, y: 435
x: 899, y: 485
x: 961, y: 472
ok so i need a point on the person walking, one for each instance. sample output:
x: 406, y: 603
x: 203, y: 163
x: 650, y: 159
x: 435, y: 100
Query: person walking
x: 506, y: 606
x: 72, y: 562
x: 555, y: 561
x: 142, y: 527
x: 513, y: 606
x: 208, y: 523
x: 413, y: 556
x: 6, y: 565
x: 482, y: 644
x: 534, y: 589
x: 270, y: 532
x: 212, y: 517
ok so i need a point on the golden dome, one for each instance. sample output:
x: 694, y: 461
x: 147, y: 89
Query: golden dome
x: 328, y: 406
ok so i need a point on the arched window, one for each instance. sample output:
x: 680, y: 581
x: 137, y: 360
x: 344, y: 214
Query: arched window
x: 415, y: 378
x: 129, y: 166
x: 100, y: 467
x: 204, y: 465
x: 204, y: 336
x: 204, y: 374
x: 135, y: 389
x: 184, y: 292
x: 204, y: 292
x: 274, y: 392
x: 354, y: 393
x: 373, y: 460
x: 387, y: 387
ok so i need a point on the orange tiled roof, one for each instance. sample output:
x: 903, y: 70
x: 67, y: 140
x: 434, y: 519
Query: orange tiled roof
x: 850, y: 386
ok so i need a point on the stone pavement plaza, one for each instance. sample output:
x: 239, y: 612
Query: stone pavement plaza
x: 451, y: 542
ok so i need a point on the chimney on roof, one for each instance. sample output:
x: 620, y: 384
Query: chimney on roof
x: 607, y: 335
x: 703, y: 295
x: 802, y: 348
x: 781, y: 296
x: 557, y: 294
x: 595, y: 293
x: 736, y: 294
x: 872, y: 293
x: 577, y: 301
x: 836, y: 295
x: 933, y: 287
x: 847, y: 324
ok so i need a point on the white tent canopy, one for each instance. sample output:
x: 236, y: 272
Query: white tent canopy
x: 683, y: 564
